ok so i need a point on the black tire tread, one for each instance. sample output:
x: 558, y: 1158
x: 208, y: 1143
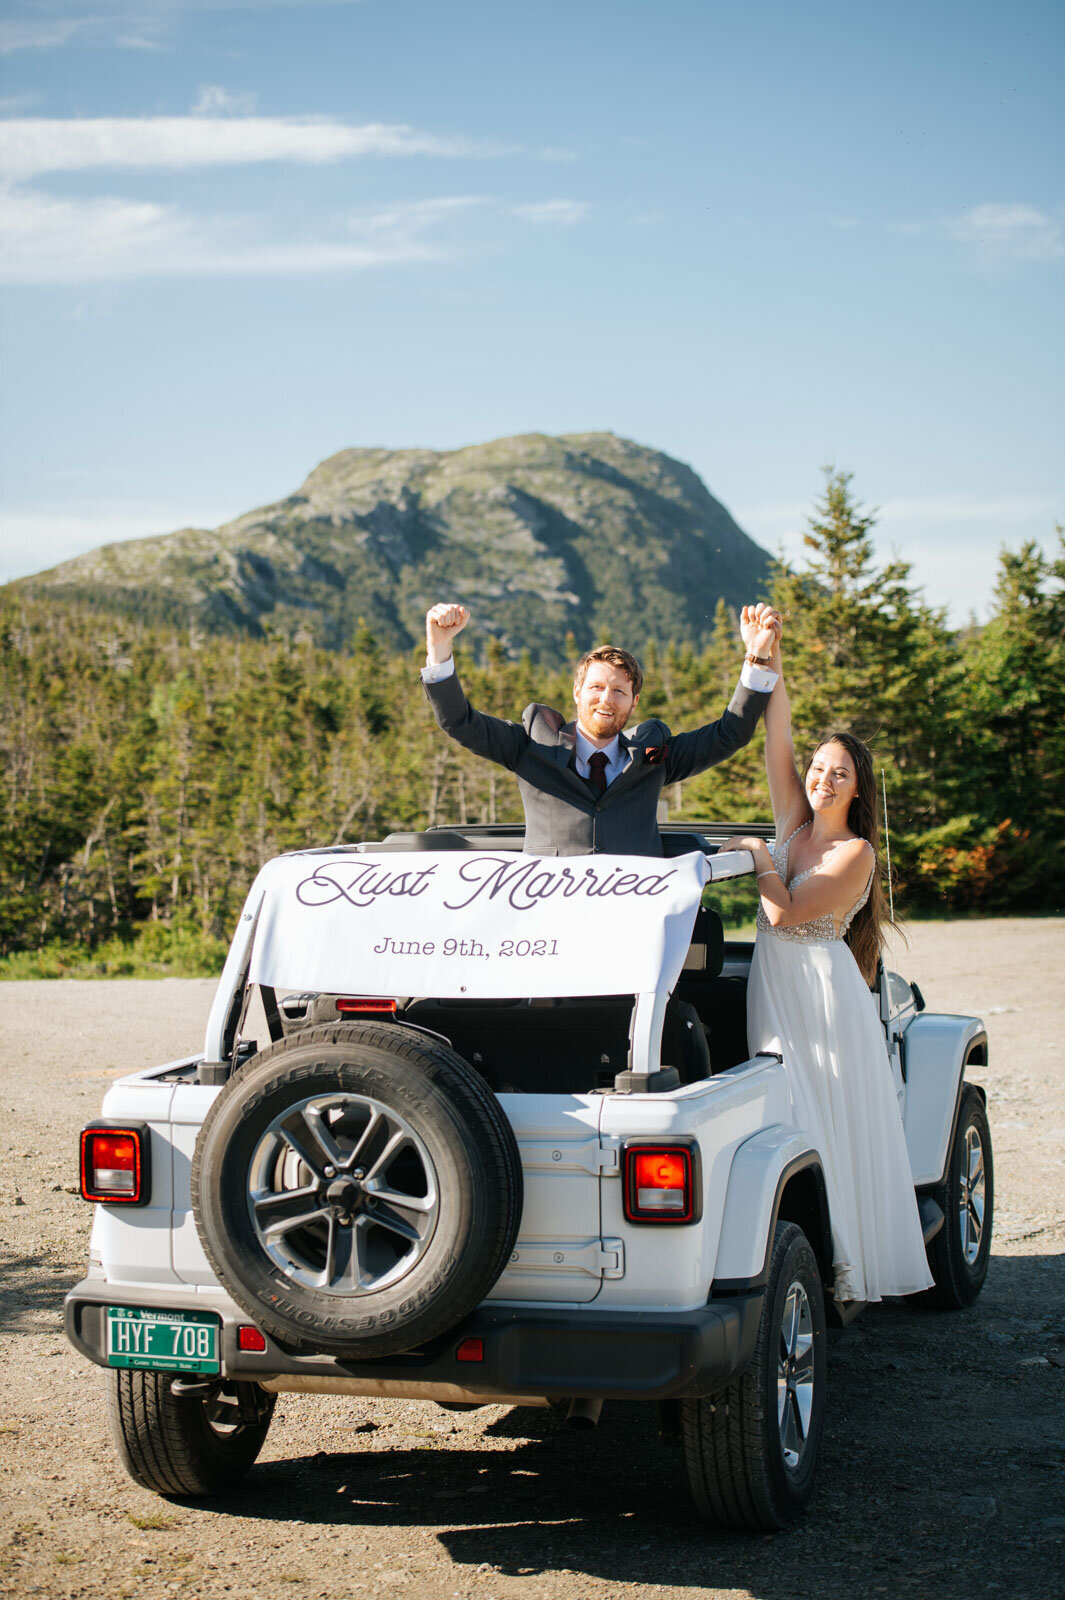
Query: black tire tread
x: 724, y: 1435
x: 162, y: 1441
x: 956, y: 1285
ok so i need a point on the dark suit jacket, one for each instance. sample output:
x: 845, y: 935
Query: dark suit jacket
x: 564, y: 814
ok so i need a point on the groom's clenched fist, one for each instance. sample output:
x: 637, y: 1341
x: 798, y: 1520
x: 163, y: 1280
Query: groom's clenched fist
x: 442, y: 623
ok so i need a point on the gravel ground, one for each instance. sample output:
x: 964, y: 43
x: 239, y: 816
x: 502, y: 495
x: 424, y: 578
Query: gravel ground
x: 944, y: 1458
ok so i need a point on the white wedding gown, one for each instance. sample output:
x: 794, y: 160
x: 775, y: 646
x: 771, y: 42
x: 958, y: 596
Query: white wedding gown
x: 807, y: 999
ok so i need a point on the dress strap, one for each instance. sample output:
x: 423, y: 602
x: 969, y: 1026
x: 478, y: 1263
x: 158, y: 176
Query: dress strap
x: 793, y: 833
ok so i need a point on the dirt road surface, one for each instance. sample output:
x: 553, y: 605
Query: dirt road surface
x: 944, y: 1463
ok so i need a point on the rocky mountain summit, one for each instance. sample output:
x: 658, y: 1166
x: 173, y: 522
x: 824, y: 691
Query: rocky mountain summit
x: 588, y: 534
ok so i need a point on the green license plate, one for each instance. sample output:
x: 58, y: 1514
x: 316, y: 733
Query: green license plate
x: 166, y: 1341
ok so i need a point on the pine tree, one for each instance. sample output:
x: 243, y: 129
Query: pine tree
x: 863, y: 651
x: 1015, y: 725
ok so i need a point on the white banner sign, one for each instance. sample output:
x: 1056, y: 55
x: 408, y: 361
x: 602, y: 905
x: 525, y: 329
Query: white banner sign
x: 493, y: 925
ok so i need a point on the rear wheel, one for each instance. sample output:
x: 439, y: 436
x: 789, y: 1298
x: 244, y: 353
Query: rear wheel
x: 751, y: 1450
x: 192, y: 1444
x: 959, y: 1253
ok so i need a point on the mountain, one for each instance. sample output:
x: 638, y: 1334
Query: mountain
x: 588, y: 534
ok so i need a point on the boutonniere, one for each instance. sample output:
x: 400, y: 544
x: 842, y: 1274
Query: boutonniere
x: 655, y: 754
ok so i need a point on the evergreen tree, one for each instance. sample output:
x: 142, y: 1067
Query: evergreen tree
x: 863, y: 651
x: 1014, y: 743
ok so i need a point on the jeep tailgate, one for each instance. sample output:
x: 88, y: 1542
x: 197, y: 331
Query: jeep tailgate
x: 559, y: 1257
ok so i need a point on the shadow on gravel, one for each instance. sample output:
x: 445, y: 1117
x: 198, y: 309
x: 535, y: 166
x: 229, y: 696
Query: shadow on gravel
x: 942, y: 1472
x: 34, y: 1286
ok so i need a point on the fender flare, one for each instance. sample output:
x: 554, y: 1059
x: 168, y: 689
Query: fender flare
x: 937, y: 1048
x: 762, y: 1168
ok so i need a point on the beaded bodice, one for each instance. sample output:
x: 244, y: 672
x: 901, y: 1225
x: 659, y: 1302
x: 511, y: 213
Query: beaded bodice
x: 821, y: 928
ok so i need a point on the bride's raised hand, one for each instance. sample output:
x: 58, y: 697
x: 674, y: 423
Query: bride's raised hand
x: 760, y: 629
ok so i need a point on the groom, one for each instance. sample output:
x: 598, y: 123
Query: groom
x: 586, y: 785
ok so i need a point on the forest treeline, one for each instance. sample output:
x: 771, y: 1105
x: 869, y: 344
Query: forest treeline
x: 149, y: 771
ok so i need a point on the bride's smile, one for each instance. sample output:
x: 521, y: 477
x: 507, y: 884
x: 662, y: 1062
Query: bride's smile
x: 831, y: 779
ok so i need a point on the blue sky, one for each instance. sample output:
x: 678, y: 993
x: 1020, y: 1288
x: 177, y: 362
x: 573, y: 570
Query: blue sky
x: 243, y: 234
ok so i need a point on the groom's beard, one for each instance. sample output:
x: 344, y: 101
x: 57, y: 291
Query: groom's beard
x: 605, y: 726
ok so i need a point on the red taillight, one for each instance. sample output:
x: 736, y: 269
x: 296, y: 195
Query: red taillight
x: 359, y: 1005
x: 114, y: 1165
x: 659, y: 1183
x: 470, y: 1350
x: 249, y: 1338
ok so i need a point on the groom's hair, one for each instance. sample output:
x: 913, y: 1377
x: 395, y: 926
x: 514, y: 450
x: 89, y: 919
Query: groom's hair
x: 614, y: 658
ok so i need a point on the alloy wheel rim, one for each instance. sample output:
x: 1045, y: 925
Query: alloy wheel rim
x: 795, y: 1374
x: 342, y: 1194
x: 971, y: 1196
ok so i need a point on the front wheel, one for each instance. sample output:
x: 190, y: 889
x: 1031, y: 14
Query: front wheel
x: 751, y: 1450
x: 959, y: 1253
x: 186, y: 1444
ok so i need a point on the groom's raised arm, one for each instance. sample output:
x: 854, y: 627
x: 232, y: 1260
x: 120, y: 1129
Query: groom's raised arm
x: 704, y: 747
x: 491, y: 737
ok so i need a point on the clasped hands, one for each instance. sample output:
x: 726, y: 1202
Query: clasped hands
x: 760, y: 629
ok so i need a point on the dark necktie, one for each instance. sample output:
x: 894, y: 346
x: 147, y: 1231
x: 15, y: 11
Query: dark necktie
x: 597, y: 770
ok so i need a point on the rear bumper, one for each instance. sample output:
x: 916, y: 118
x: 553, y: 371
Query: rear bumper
x: 528, y: 1353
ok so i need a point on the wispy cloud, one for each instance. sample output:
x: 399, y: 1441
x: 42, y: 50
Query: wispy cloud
x: 1007, y: 230
x: 788, y: 519
x: 126, y: 24
x: 41, y: 32
x: 946, y: 509
x: 558, y: 212
x: 1016, y: 230
x: 32, y: 146
x: 12, y: 104
x: 214, y: 101
x: 33, y: 541
x: 411, y: 216
x: 50, y: 239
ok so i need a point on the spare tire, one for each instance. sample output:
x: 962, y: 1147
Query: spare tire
x: 357, y: 1189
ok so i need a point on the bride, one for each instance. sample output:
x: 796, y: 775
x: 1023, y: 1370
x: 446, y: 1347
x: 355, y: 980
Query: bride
x: 808, y: 998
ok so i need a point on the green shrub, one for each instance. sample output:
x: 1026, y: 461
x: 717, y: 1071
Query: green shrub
x: 155, y: 950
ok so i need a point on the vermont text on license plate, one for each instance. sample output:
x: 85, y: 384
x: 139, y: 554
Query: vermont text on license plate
x: 170, y: 1341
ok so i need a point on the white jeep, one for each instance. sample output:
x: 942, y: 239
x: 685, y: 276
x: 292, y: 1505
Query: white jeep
x: 478, y: 1127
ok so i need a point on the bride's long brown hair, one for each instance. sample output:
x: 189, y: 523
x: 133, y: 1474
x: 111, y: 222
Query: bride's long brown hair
x: 865, y: 934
